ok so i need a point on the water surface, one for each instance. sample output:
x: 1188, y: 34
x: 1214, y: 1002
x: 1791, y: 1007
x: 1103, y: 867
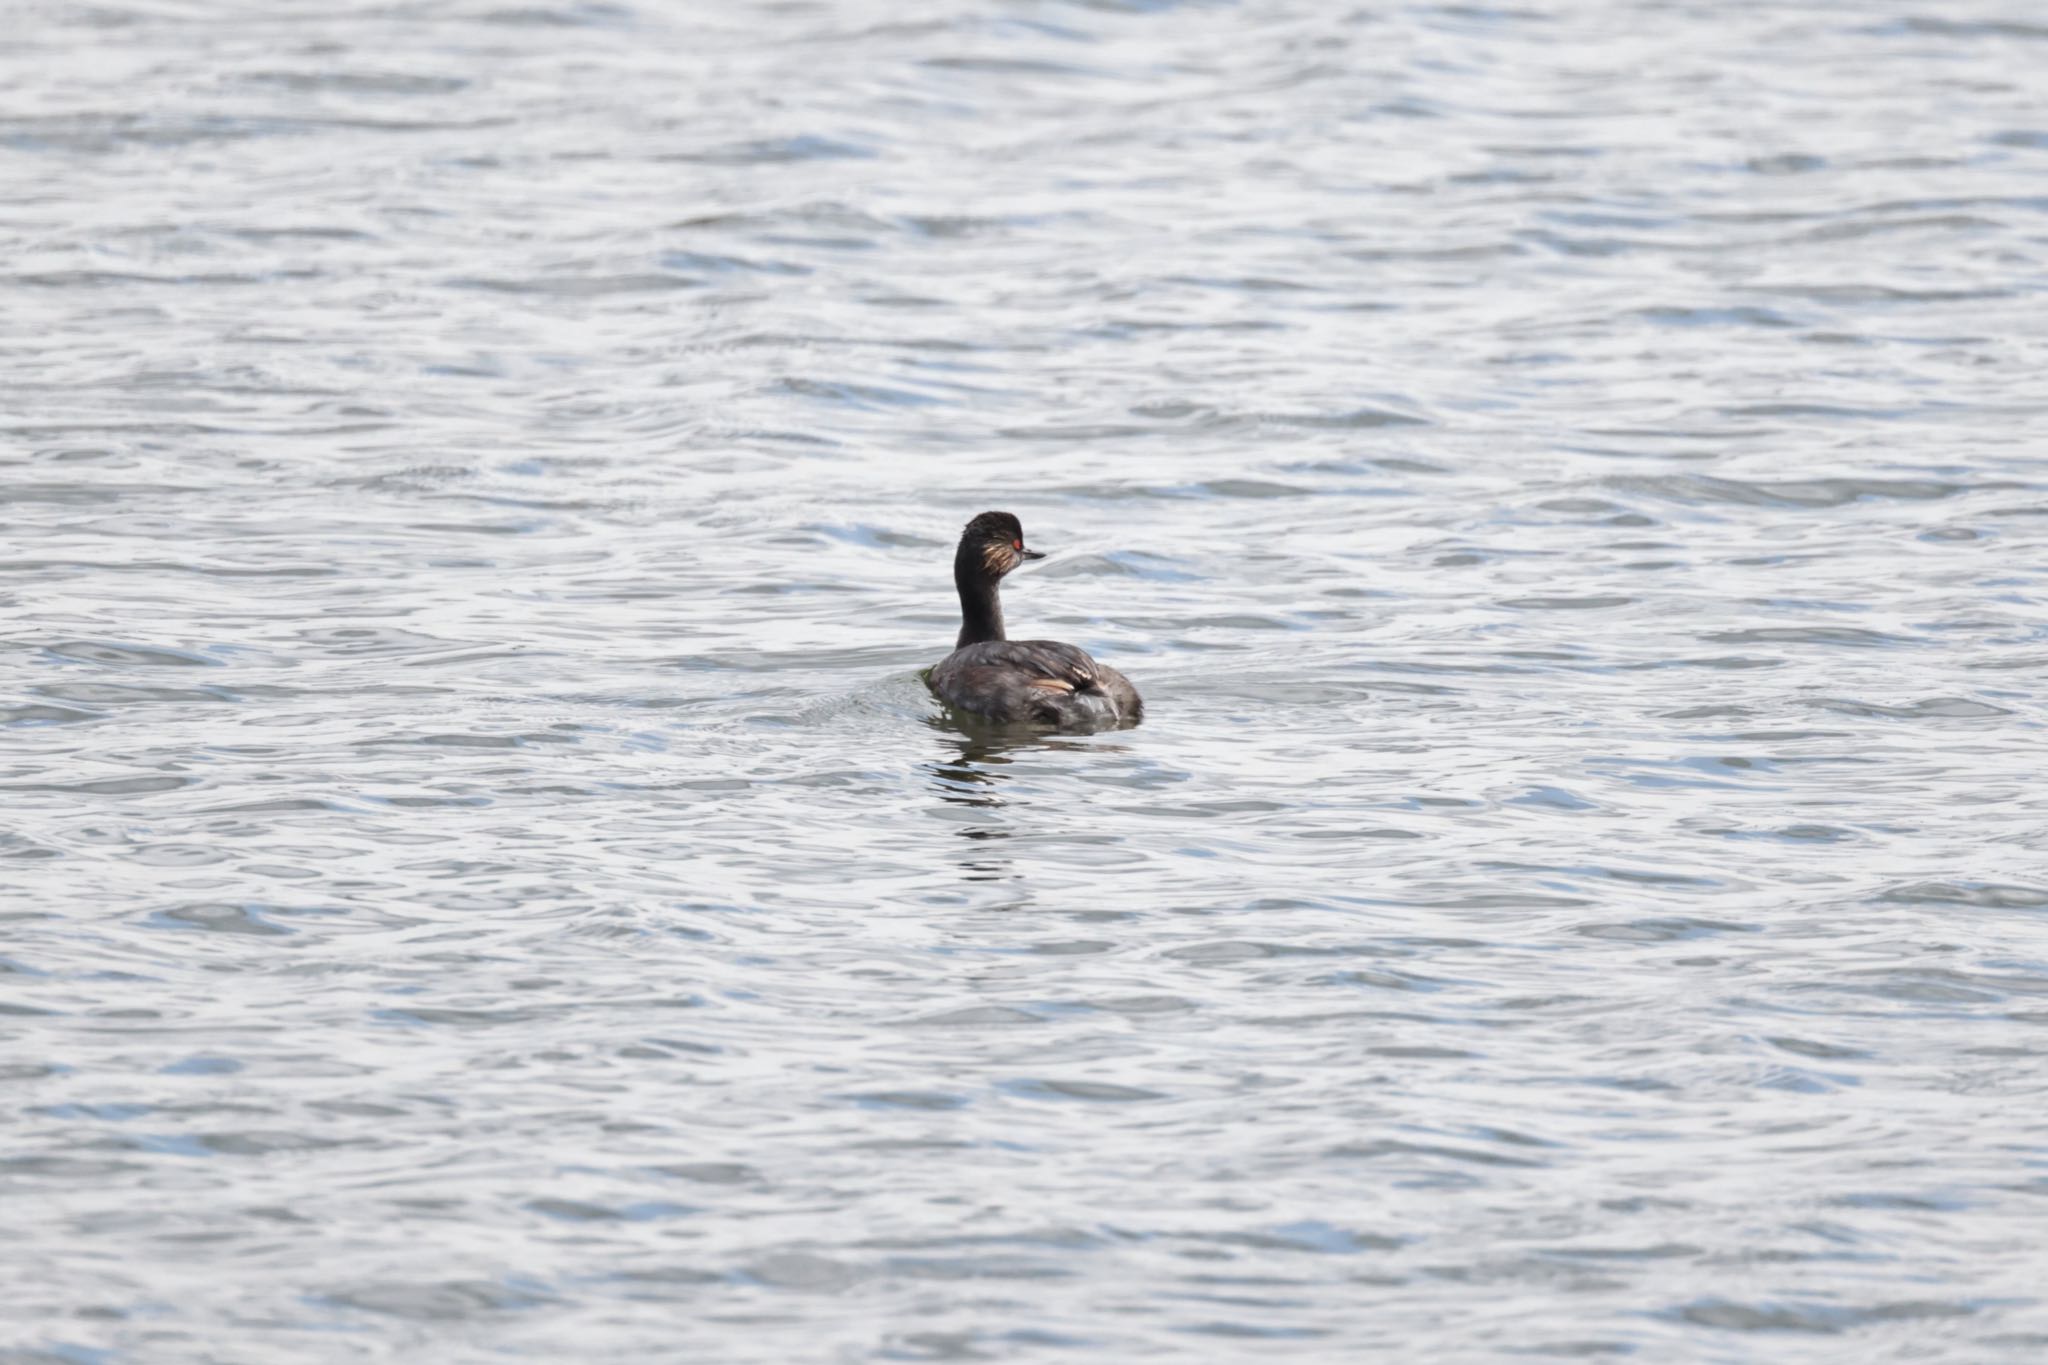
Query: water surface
x: 483, y: 879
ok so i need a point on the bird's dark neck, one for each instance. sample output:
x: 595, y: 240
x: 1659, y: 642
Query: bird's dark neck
x: 981, y: 604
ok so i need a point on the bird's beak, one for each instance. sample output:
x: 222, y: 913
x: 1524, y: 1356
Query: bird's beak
x: 1032, y: 554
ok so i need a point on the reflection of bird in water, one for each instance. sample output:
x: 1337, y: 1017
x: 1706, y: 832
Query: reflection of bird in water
x: 972, y: 776
x: 1040, y: 682
x: 961, y: 777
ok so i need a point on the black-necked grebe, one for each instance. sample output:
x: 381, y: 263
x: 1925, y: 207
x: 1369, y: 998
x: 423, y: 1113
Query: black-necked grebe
x: 1040, y: 681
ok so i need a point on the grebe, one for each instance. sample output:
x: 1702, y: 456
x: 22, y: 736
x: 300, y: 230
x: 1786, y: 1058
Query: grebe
x: 1040, y: 681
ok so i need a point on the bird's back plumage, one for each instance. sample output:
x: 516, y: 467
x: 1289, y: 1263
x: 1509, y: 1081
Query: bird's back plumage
x: 1035, y: 680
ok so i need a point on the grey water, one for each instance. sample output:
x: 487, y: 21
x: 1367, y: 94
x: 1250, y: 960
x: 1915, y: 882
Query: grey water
x: 481, y: 879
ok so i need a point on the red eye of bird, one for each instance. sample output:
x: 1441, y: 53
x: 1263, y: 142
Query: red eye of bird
x: 1016, y: 544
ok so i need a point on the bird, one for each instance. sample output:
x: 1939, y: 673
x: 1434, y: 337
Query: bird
x: 1038, y: 682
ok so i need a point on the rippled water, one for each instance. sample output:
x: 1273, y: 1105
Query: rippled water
x: 483, y: 878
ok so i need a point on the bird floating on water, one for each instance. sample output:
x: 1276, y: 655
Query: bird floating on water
x: 1041, y: 682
